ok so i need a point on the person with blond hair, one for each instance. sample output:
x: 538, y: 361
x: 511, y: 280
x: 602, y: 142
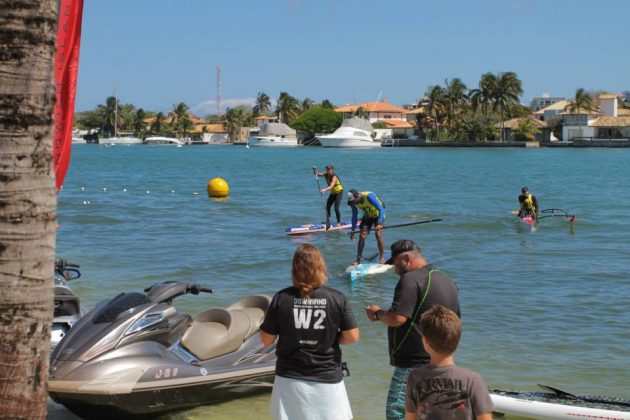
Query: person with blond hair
x: 310, y: 321
x: 442, y: 390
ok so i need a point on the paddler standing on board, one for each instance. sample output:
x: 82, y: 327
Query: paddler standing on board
x: 529, y: 205
x: 336, y: 192
x: 373, y: 215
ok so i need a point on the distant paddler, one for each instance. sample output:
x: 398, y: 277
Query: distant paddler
x: 336, y: 192
x: 528, y: 203
x: 373, y: 215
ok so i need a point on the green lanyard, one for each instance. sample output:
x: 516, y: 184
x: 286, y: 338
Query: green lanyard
x: 415, y: 315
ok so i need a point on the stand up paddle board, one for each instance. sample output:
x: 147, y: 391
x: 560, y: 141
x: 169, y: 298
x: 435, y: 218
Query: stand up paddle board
x: 317, y: 227
x: 369, y: 267
x: 558, y: 405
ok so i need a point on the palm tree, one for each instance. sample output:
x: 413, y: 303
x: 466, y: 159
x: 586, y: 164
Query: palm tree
x: 435, y: 106
x: 483, y: 96
x: 306, y: 104
x: 263, y: 104
x: 327, y: 104
x: 28, y: 210
x: 455, y: 97
x: 158, y: 126
x: 508, y: 89
x: 139, y: 125
x: 526, y: 130
x: 126, y: 116
x: 582, y: 100
x: 180, y: 119
x: 109, y: 110
x: 287, y: 108
x: 236, y: 118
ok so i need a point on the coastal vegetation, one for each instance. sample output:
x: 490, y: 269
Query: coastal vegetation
x: 448, y: 112
x: 454, y: 112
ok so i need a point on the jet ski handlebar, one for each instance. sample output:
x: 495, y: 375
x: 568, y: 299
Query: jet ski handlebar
x: 195, y: 289
x: 63, y: 264
x: 166, y: 291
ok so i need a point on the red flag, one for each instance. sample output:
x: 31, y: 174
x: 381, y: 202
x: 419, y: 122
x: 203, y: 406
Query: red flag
x: 66, y: 70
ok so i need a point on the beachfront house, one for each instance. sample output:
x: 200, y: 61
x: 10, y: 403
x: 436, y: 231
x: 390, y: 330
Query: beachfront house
x: 394, y: 118
x: 544, y: 101
x: 510, y: 129
x: 375, y: 111
x: 209, y: 134
x: 264, y: 119
x: 552, y: 112
x: 609, y: 122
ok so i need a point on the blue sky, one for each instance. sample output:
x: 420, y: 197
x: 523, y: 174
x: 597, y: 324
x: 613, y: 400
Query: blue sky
x: 161, y: 52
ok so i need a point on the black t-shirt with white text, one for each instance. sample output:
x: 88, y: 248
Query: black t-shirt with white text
x: 405, y: 341
x: 308, y: 333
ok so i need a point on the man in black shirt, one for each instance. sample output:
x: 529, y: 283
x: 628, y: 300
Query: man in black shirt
x: 420, y: 287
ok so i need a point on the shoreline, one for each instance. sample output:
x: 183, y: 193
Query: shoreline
x: 532, y: 144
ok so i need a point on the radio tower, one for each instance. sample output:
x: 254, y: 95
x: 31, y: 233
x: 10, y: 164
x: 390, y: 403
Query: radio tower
x: 218, y: 100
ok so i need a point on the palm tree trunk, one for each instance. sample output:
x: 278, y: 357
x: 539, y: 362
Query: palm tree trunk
x: 27, y: 204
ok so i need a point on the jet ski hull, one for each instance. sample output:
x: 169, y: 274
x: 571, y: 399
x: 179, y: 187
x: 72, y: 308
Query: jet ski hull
x: 148, y: 401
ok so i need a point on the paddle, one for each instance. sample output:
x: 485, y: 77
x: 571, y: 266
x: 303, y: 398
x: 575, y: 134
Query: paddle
x: 591, y: 399
x: 319, y: 189
x: 402, y: 224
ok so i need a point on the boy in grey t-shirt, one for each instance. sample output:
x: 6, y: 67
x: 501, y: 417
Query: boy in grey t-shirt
x: 442, y: 390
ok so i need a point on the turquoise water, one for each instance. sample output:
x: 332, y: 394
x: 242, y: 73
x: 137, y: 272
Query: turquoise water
x: 547, y: 306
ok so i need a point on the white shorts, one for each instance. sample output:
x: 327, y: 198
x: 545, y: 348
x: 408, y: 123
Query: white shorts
x: 294, y: 399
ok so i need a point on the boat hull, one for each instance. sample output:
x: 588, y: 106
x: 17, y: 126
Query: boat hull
x: 347, y: 142
x: 119, y: 140
x: 271, y: 141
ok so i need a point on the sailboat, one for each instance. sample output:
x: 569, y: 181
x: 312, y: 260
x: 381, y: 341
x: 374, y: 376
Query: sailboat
x: 122, y: 138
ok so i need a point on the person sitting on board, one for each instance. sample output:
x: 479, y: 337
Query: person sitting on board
x: 529, y: 205
x: 373, y: 215
x: 311, y: 321
x: 420, y: 287
x: 441, y: 389
x: 336, y: 192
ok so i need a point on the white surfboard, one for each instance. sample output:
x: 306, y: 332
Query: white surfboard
x: 368, y: 268
x: 529, y: 407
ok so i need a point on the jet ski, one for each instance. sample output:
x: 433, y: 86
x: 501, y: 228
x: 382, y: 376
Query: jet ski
x: 137, y: 356
x: 68, y: 310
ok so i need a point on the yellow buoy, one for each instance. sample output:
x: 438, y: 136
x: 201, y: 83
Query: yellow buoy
x: 217, y: 187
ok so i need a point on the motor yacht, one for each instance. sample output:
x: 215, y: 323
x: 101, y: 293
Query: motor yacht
x: 274, y: 135
x: 353, y: 132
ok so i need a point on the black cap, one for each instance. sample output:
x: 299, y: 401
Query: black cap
x: 330, y: 166
x: 352, y: 196
x: 400, y: 246
x: 524, y: 190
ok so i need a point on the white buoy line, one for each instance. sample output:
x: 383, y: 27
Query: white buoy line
x: 125, y: 190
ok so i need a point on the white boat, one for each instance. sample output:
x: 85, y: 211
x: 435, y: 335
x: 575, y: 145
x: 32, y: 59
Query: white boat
x: 353, y: 132
x: 274, y: 135
x: 118, y: 139
x: 162, y: 140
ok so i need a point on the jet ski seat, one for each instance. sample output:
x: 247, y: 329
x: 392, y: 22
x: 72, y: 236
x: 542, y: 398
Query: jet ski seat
x: 255, y: 307
x: 218, y: 331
